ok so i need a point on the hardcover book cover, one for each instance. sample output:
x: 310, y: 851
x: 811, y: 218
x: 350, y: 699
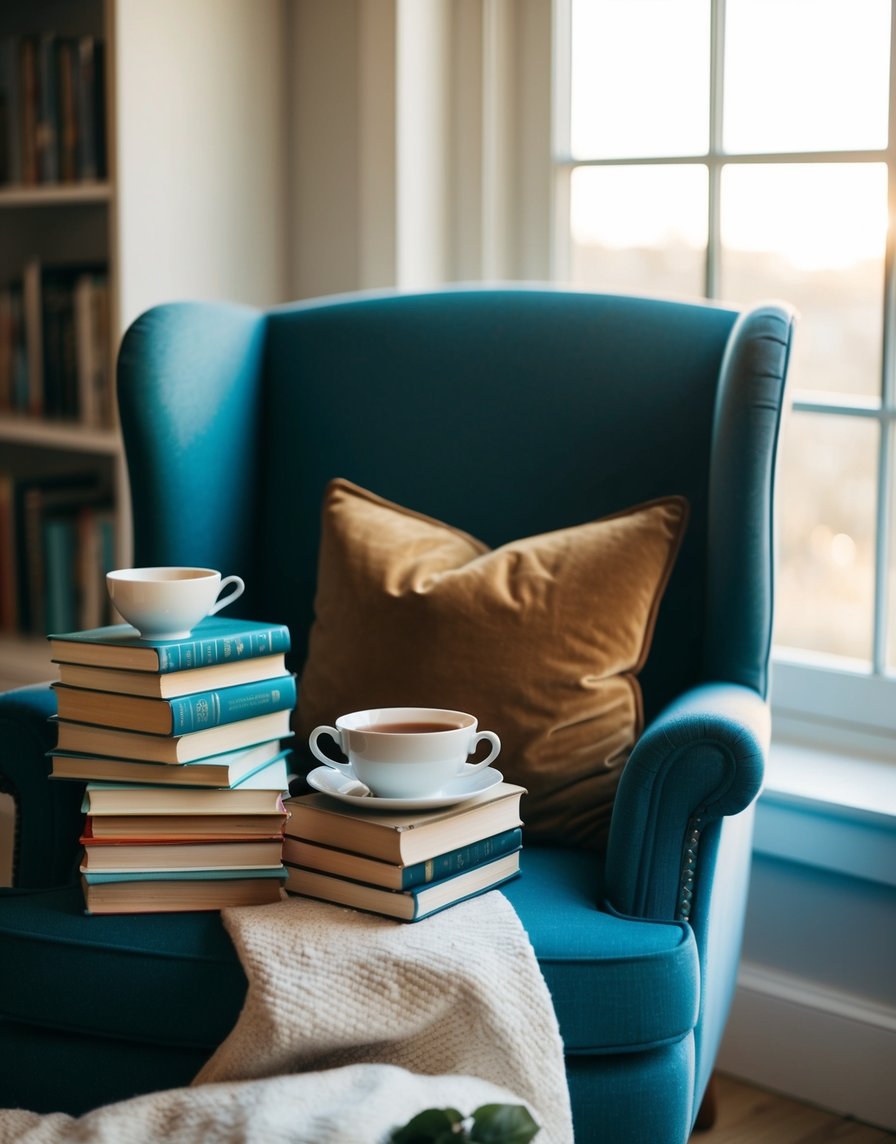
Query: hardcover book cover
x: 391, y: 875
x: 87, y: 739
x: 180, y: 715
x: 261, y: 795
x: 166, y: 685
x: 405, y: 905
x: 404, y: 837
x: 216, y: 639
x: 262, y: 767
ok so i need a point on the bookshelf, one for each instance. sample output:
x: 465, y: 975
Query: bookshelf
x: 182, y: 196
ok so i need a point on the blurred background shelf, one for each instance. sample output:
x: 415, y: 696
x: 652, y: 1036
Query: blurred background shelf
x: 174, y: 187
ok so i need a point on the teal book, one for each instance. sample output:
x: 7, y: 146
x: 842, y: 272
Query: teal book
x: 98, y: 878
x: 260, y: 767
x: 60, y: 557
x: 404, y: 905
x: 180, y: 715
x: 347, y: 864
x: 214, y: 640
x: 177, y: 891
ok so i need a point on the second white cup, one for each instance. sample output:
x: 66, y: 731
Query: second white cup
x: 166, y: 603
x: 406, y: 752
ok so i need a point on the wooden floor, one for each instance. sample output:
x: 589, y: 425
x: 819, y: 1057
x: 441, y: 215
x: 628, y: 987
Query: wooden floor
x: 751, y: 1116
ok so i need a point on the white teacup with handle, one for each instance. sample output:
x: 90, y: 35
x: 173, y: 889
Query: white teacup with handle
x: 406, y: 752
x: 166, y: 603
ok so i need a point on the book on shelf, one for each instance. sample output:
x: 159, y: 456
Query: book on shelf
x: 215, y: 640
x: 177, y: 827
x: 177, y: 891
x: 8, y: 574
x: 152, y: 855
x: 405, y: 905
x: 50, y: 565
x: 394, y: 876
x: 91, y: 145
x: 66, y: 325
x: 404, y: 838
x: 261, y: 767
x: 96, y: 556
x: 88, y: 739
x: 166, y: 686
x: 52, y: 108
x: 27, y: 52
x: 181, y: 714
x: 93, y: 363
x: 10, y: 110
x: 57, y: 537
x: 102, y: 798
x: 67, y: 127
x: 13, y: 358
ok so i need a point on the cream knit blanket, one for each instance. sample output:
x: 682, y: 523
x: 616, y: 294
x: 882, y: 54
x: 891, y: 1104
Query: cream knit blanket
x: 379, y: 1019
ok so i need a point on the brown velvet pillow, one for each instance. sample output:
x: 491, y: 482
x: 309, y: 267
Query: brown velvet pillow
x: 540, y: 639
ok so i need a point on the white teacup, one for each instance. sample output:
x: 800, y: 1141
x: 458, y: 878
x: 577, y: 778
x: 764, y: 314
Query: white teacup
x: 167, y: 603
x: 406, y: 752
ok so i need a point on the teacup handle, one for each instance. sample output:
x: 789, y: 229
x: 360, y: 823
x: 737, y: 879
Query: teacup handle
x: 239, y: 588
x: 490, y: 737
x: 343, y: 768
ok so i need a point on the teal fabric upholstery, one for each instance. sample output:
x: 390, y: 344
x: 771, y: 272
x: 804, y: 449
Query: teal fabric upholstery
x: 505, y: 412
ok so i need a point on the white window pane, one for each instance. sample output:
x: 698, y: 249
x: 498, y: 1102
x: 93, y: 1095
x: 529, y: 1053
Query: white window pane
x: 826, y: 519
x: 813, y: 234
x: 639, y: 228
x: 640, y: 78
x: 806, y: 75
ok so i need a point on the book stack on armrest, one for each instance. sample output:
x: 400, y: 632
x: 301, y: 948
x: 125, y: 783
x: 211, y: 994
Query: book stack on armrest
x: 180, y: 744
x: 402, y: 865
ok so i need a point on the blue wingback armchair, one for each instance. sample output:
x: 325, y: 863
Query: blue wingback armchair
x: 558, y: 407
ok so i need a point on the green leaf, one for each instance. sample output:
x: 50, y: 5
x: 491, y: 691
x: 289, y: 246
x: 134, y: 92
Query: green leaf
x: 433, y: 1126
x: 502, y: 1124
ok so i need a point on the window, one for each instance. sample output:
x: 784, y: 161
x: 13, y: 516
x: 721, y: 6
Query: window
x: 740, y: 150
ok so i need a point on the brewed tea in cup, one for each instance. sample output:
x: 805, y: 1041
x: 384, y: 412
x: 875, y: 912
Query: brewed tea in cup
x: 166, y: 603
x: 406, y: 752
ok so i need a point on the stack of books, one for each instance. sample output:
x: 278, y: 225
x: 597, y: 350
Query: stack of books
x: 402, y: 865
x: 180, y: 744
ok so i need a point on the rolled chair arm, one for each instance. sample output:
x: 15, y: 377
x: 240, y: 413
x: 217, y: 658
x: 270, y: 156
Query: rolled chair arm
x: 702, y: 757
x: 47, y: 812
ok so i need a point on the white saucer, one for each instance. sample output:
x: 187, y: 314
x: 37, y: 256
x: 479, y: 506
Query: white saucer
x: 458, y: 790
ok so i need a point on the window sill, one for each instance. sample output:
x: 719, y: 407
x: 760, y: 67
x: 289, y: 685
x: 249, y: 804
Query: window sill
x: 831, y: 809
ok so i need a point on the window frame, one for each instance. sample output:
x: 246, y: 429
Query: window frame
x: 815, y: 698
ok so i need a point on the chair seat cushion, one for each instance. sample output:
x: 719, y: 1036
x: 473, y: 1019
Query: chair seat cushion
x: 618, y: 984
x: 175, y: 979
x: 172, y: 979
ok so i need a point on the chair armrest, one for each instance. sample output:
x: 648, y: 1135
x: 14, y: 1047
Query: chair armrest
x: 48, y: 812
x: 702, y: 757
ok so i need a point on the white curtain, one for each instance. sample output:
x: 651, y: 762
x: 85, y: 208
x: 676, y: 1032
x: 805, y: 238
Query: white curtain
x: 420, y: 142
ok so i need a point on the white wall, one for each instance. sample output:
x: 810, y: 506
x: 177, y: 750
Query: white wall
x: 201, y: 137
x: 420, y: 137
x: 814, y: 1015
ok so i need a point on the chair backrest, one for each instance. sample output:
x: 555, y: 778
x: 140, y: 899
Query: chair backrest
x: 505, y: 412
